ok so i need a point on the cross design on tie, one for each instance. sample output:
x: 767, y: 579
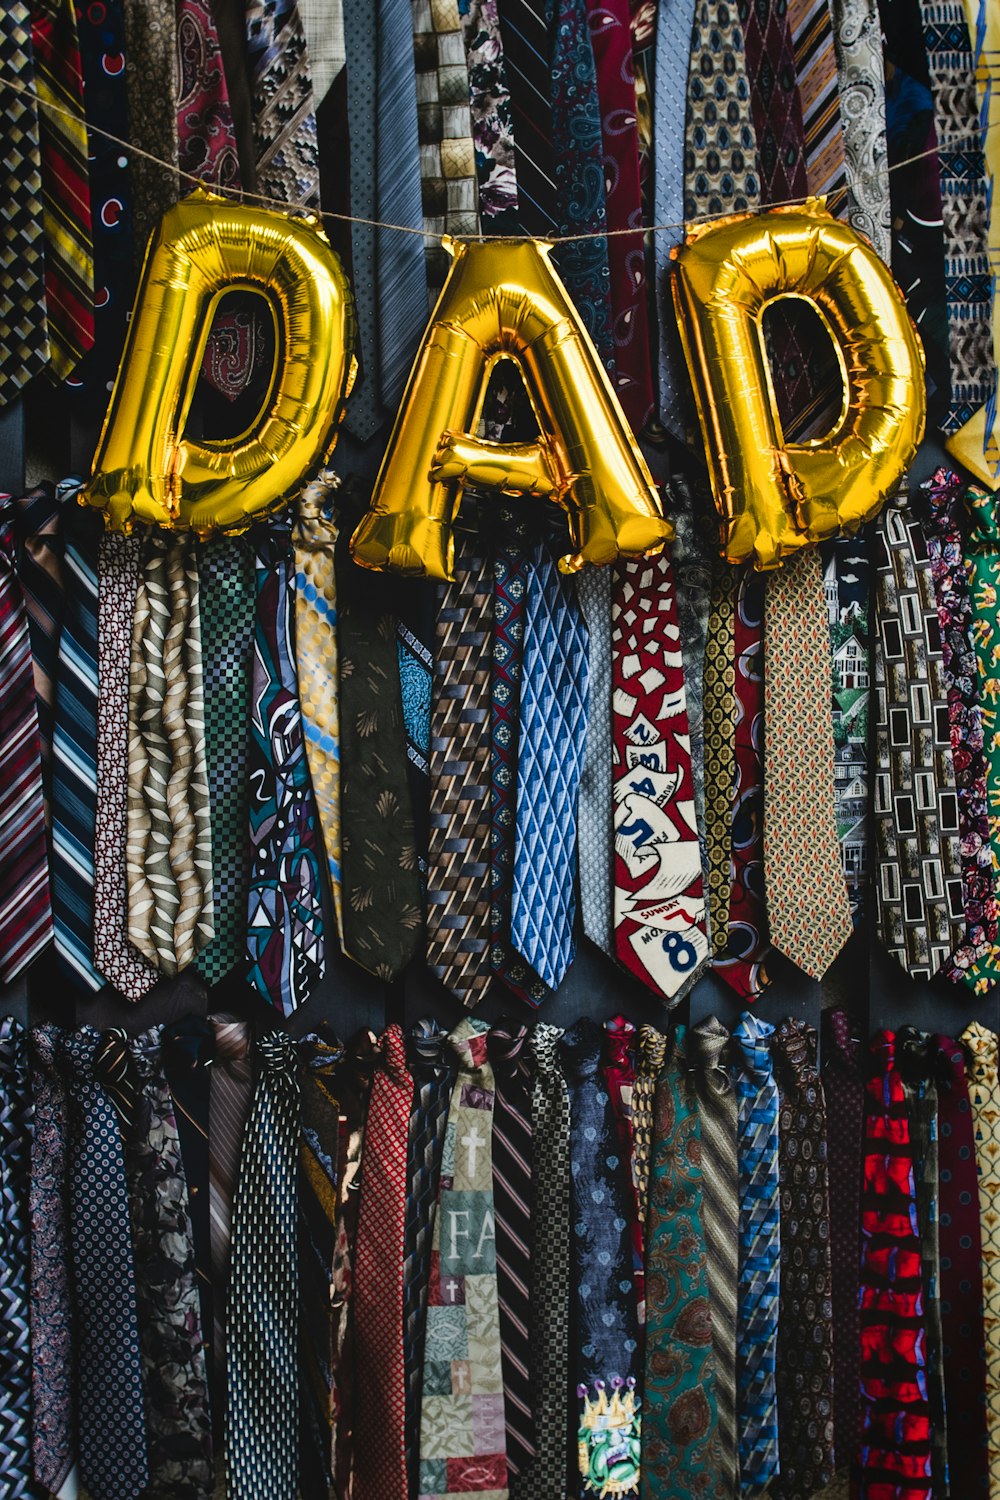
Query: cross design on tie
x: 472, y: 1143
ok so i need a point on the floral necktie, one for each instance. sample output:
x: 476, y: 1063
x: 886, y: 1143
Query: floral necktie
x: 982, y: 564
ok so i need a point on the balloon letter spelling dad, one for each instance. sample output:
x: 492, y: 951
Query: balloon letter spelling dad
x: 774, y: 497
x: 146, y: 469
x: 505, y: 301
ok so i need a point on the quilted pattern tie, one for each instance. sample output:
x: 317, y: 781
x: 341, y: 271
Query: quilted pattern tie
x: 760, y: 1252
x: 284, y: 121
x: 659, y: 904
x: 380, y: 1425
x: 982, y: 564
x: 857, y: 39
x: 801, y: 848
x: 554, y: 701
x: 262, y: 1421
x: 844, y: 1087
x: 16, y: 1126
x: 680, y: 1451
x: 984, y: 1101
x: 596, y: 807
x: 447, y: 155
x: 25, y: 337
x: 458, y: 854
x: 462, y: 1449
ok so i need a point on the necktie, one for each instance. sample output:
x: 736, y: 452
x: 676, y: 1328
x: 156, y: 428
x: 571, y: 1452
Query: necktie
x: 457, y: 904
x: 895, y: 1446
x: 178, y: 1424
x: 659, y: 903
x: 720, y: 148
x: 226, y: 601
x: 982, y: 564
x: 619, y: 1067
x: 525, y: 38
x: 168, y: 853
x: 674, y: 29
x: 545, y: 1474
x: 462, y: 1369
x: 554, y: 706
x: 447, y: 155
x: 381, y: 882
x: 918, y: 891
x: 206, y: 138
x: 967, y: 283
x: 846, y: 588
x: 720, y: 753
x: 513, y: 1199
x: 981, y: 1046
x: 844, y: 1088
x: 490, y: 112
x: 430, y: 1062
x: 319, y: 1056
x: 605, y: 1358
x: 69, y: 256
x: 958, y: 660
x: 25, y: 899
x: 713, y: 1086
x: 961, y: 1278
x: 804, y: 1369
x: 53, y: 1414
x: 262, y: 1421
x: 284, y: 121
x: 109, y: 1397
x: 774, y: 103
x: 361, y: 45
x: 680, y: 1451
x: 151, y: 78
x: 801, y: 849
x: 314, y: 538
x: 379, y: 1434
x: 16, y: 1128
x: 415, y: 610
x: 229, y: 1106
x: 22, y: 293
x: 40, y: 571
x: 760, y: 1251
x: 651, y: 1054
x: 857, y: 38
x: 117, y: 581
x: 284, y: 913
x: 594, y: 819
x: 74, y: 752
x: 691, y: 555
x: 816, y: 76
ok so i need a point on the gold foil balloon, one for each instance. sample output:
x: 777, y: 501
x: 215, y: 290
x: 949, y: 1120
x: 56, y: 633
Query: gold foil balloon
x: 145, y: 469
x: 774, y: 497
x: 503, y: 300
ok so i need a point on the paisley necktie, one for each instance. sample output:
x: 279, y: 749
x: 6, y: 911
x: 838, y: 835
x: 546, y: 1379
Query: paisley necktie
x: 16, y: 1129
x: 984, y: 1101
x: 857, y: 40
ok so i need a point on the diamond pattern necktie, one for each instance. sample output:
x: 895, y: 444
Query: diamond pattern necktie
x: 38, y: 522
x: 462, y: 1413
x: 801, y: 849
x: 458, y: 854
x: 117, y: 582
x: 25, y: 897
x: 229, y: 1106
x: 651, y: 1055
x: 659, y: 902
x: 844, y: 1088
x: 982, y: 564
x: 262, y: 1420
x: 804, y: 1368
x: 594, y: 819
x: 524, y: 33
x: 760, y: 1251
x: 720, y: 753
x: 895, y: 1444
x: 513, y: 1200
x: 774, y: 102
x: 226, y: 605
x: 857, y: 37
x: 554, y: 702
x: 16, y: 1129
x: 706, y: 1049
x: 680, y: 1451
x: 380, y: 1424
x: 284, y: 913
x: 984, y: 1101
x: 25, y: 341
x: 918, y: 889
x: 109, y: 1397
x: 284, y: 120
x: 319, y: 1056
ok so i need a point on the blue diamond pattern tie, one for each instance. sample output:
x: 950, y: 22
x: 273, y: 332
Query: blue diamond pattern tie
x: 554, y: 699
x: 760, y: 1254
x: 16, y: 1115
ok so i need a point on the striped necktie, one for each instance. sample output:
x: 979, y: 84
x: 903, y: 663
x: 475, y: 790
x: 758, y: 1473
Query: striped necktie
x: 284, y: 120
x: 524, y: 31
x: 984, y: 1101
x: 16, y: 1126
x: 24, y: 334
x: 816, y: 77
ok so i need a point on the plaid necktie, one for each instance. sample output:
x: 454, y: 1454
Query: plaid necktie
x: 229, y: 1106
x: 984, y: 1102
x: 284, y: 121
x: 38, y: 524
x: 594, y: 818
x: 262, y: 1422
x: 16, y: 1127
x: 553, y: 734
x: 25, y: 900
x: 23, y: 325
x: 844, y: 1088
x: 760, y: 1250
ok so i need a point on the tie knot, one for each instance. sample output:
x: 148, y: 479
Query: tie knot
x: 45, y: 1045
x: 982, y: 1047
x: 468, y: 1042
x: 116, y: 1070
x: 843, y: 1047
x: 914, y: 1054
x: 652, y: 1049
x: 544, y: 1047
x: 796, y: 1041
x: 707, y: 1044
x: 276, y: 1051
x: 75, y: 1054
x: 508, y: 1049
x: 620, y: 1039
x: 232, y: 1039
x: 752, y: 1038
x: 316, y: 525
x: 13, y: 1049
x: 427, y: 1048
x: 320, y: 1053
x: 581, y: 1049
x: 188, y: 1044
x: 982, y: 509
x: 393, y: 1046
x: 951, y: 1062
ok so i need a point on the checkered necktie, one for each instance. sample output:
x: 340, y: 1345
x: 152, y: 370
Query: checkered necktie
x: 262, y: 1423
x: 40, y: 570
x: 24, y: 334
x: 16, y: 1123
x: 595, y: 854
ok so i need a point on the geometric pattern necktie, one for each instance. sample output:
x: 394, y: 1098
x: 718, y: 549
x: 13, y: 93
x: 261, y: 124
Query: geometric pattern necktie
x: 844, y: 1087
x: 447, y: 154
x: 720, y: 161
x: 16, y: 1121
x: 719, y: 705
x: 760, y: 1250
x: 982, y: 564
x: 262, y: 1315
x: 984, y: 1100
x: 801, y: 849
x: 861, y: 69
x: 284, y: 119
x: 895, y: 1439
x: 25, y: 899
x: 553, y: 734
x: 24, y: 339
x: 462, y: 1413
x: 659, y: 902
x: 595, y: 853
x: 918, y: 886
x: 816, y: 76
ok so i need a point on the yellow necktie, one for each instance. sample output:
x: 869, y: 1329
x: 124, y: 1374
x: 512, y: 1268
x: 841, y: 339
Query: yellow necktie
x: 984, y: 1098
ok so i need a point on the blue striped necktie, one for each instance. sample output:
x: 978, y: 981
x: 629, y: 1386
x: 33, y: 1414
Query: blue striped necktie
x: 760, y: 1254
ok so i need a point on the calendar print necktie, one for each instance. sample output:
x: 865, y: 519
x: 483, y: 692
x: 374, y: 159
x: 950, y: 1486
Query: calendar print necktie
x: 659, y: 903
x: 16, y: 1128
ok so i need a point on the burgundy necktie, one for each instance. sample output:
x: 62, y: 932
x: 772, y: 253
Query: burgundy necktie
x: 618, y: 1067
x: 845, y: 1110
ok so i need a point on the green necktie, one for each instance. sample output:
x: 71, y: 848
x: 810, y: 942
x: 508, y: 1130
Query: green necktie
x: 982, y: 563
